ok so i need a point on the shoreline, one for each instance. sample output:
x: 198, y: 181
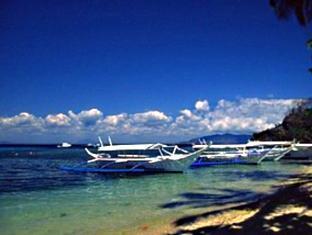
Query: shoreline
x: 286, y: 211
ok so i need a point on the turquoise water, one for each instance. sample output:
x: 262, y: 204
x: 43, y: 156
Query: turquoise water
x: 37, y: 198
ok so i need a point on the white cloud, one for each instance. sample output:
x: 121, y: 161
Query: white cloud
x: 114, y: 120
x: 17, y: 120
x: 202, y: 105
x: 57, y: 120
x: 21, y: 123
x: 150, y: 116
x: 86, y: 117
x: 188, y: 114
x: 238, y: 116
x: 20, y: 127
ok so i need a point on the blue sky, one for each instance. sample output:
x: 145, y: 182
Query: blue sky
x: 140, y: 56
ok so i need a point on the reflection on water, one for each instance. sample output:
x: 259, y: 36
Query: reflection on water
x: 37, y: 198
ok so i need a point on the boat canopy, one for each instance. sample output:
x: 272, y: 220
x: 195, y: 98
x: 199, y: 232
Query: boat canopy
x: 248, y: 144
x: 303, y: 145
x: 125, y: 147
x: 268, y: 143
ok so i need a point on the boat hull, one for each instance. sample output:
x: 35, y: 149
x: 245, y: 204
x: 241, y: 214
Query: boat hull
x: 302, y: 154
x: 172, y: 162
x: 172, y: 165
x: 166, y: 165
x: 215, y: 162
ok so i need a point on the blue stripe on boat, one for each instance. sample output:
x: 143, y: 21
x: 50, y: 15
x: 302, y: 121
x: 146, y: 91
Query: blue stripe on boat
x: 98, y: 170
x: 216, y: 163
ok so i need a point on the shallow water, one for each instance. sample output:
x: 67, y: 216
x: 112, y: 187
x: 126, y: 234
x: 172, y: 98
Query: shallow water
x: 38, y: 198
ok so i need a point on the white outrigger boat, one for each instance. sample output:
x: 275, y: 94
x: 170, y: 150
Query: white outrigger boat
x: 137, y: 158
x: 253, y: 152
x: 64, y: 145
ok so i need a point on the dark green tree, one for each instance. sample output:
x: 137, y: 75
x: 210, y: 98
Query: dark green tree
x: 302, y: 9
x: 296, y: 125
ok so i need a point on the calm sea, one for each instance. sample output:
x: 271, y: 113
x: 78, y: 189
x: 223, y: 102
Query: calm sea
x: 38, y: 198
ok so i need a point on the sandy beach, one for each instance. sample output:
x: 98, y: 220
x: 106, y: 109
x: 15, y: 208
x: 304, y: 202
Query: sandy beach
x: 287, y: 211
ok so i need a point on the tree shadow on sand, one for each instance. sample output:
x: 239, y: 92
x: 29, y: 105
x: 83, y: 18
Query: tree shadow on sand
x: 220, y: 198
x: 286, y: 212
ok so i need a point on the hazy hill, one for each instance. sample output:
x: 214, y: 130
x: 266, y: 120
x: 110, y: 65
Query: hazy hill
x: 296, y: 125
x: 223, y: 139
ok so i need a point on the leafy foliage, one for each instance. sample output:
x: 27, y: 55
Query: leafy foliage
x: 302, y: 9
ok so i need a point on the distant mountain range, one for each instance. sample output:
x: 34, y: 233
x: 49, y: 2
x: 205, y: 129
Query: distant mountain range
x: 223, y: 139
